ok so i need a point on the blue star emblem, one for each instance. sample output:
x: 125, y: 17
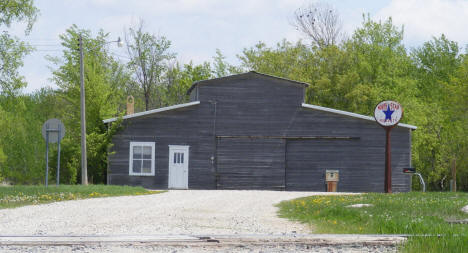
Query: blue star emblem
x: 388, y: 114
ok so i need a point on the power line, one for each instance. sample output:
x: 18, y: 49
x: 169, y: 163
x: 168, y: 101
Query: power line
x: 45, y: 45
x: 62, y: 48
x: 47, y: 50
x: 119, y: 55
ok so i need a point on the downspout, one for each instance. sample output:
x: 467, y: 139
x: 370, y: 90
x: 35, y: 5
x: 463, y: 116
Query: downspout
x: 213, y: 158
x: 108, y: 182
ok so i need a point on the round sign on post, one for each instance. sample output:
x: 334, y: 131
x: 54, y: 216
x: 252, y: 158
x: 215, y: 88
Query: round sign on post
x: 388, y: 114
x: 53, y: 131
x: 54, y: 127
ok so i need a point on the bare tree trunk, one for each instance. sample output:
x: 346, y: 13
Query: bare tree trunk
x: 146, y: 101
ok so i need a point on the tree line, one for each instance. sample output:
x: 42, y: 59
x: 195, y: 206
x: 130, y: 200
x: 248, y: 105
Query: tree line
x: 349, y: 73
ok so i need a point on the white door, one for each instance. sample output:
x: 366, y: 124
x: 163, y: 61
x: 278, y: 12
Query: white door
x: 178, y: 167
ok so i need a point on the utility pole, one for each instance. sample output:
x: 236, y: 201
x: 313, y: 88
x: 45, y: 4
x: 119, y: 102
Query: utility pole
x: 84, y: 163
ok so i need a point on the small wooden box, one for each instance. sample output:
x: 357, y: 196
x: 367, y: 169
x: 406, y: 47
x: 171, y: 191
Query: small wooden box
x: 332, y: 176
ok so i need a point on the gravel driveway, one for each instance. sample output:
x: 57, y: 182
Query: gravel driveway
x: 175, y: 212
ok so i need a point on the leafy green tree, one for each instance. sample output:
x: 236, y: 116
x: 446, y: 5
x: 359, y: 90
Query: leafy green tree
x: 179, y: 80
x: 12, y: 50
x: 104, y: 92
x: 436, y: 62
x: 457, y: 94
x: 383, y: 67
x: 13, y: 155
x: 221, y: 67
x: 12, y: 11
x: 441, y: 79
x: 287, y: 60
x: 21, y: 139
x: 371, y: 66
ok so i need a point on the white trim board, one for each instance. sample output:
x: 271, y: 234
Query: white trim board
x: 163, y: 109
x: 351, y: 114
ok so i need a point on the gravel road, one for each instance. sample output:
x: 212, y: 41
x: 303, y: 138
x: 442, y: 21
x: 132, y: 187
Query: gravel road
x: 188, y: 212
x: 174, y: 212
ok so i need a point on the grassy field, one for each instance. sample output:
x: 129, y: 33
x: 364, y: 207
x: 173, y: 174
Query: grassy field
x: 21, y: 195
x: 423, y: 215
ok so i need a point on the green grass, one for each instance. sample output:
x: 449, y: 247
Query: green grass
x: 21, y: 195
x: 420, y: 214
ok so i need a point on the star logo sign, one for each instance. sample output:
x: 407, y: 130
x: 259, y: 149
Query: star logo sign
x: 388, y: 114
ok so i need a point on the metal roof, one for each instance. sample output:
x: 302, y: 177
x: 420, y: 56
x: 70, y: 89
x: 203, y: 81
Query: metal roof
x: 250, y: 73
x: 351, y: 114
x: 163, y: 109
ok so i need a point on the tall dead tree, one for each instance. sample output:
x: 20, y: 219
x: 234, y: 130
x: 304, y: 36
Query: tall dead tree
x: 320, y: 22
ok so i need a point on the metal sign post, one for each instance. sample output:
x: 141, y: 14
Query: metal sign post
x: 47, y: 156
x: 53, y: 131
x: 58, y: 154
x: 388, y: 161
x: 388, y: 114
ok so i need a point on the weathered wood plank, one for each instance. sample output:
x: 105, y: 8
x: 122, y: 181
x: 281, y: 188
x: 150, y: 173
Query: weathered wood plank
x: 250, y: 163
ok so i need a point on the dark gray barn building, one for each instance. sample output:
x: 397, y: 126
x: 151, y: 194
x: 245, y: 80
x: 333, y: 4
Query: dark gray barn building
x: 254, y: 131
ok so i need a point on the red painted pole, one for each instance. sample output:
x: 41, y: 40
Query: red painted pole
x: 388, y: 162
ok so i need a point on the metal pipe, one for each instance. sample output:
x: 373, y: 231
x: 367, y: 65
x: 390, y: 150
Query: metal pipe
x: 58, y: 155
x: 215, y: 143
x: 285, y: 164
x: 422, y: 181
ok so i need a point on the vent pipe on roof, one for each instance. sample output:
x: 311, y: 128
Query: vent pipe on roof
x: 130, y: 105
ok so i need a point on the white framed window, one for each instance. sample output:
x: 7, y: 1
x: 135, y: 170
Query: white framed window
x: 141, y: 160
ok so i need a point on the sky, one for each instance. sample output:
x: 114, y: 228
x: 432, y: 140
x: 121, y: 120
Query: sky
x: 197, y: 28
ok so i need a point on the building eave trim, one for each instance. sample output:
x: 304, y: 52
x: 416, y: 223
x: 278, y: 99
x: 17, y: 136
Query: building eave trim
x: 351, y: 114
x: 214, y: 80
x: 163, y: 109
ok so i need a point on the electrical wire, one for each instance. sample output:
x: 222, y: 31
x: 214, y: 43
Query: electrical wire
x: 45, y: 45
x: 119, y: 55
x: 47, y: 50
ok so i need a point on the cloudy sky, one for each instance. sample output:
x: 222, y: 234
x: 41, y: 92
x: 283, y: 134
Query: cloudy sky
x: 198, y: 27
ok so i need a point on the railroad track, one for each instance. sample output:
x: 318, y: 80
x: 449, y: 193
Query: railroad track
x: 205, y: 240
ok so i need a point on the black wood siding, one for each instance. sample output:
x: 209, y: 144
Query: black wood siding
x: 308, y: 160
x: 185, y: 126
x: 270, y: 111
x: 245, y: 163
x: 361, y: 162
